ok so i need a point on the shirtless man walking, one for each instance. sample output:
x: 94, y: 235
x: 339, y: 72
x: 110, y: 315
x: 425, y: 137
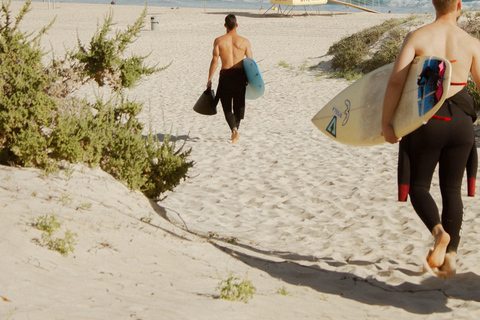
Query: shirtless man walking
x: 447, y: 143
x: 231, y: 49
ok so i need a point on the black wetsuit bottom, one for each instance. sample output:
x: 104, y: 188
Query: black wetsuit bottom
x: 231, y: 92
x: 447, y: 143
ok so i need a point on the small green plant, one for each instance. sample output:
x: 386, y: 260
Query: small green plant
x: 61, y: 245
x: 235, y: 289
x: 85, y: 206
x: 232, y: 240
x: 10, y: 313
x: 285, y: 65
x: 349, y: 76
x: 212, y: 235
x: 49, y: 168
x: 304, y: 66
x: 49, y: 224
x: 147, y: 219
x: 65, y: 199
x: 69, y: 172
x: 284, y: 291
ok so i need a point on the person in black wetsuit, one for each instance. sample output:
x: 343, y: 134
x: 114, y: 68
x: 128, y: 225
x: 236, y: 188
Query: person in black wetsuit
x: 231, y: 49
x: 447, y: 139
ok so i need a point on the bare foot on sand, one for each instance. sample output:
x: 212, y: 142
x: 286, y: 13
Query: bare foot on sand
x: 235, y: 136
x: 437, y: 257
x: 449, y: 268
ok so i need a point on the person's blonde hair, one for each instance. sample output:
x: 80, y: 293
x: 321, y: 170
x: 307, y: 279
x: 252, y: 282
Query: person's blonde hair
x: 444, y: 6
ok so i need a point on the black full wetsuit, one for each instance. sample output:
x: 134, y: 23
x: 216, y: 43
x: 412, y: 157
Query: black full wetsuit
x: 231, y: 92
x: 447, y: 139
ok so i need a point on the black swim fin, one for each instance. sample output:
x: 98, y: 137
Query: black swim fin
x: 205, y: 104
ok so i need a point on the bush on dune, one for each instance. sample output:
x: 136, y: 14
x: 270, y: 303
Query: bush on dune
x: 41, y: 122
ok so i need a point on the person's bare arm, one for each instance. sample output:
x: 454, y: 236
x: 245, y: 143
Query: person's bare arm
x: 395, y: 87
x: 213, y: 63
x: 248, y: 51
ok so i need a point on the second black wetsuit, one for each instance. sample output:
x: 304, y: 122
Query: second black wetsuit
x: 448, y: 140
x: 231, y: 92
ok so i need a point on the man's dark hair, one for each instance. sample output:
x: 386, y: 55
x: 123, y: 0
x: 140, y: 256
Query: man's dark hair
x: 444, y: 6
x: 230, y: 21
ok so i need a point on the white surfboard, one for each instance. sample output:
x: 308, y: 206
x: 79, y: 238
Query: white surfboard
x: 256, y: 86
x: 354, y: 116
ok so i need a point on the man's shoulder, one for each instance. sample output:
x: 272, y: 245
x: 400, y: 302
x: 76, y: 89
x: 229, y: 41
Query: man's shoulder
x: 243, y: 40
x: 220, y: 38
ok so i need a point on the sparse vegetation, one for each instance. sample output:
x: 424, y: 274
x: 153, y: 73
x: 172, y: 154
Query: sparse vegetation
x: 147, y: 218
x: 212, y: 235
x: 65, y: 199
x: 49, y: 225
x: 235, y: 289
x: 285, y: 65
x: 232, y: 240
x: 283, y: 291
x: 42, y: 123
x: 85, y: 206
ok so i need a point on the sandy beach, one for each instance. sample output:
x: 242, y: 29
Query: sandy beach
x: 286, y: 208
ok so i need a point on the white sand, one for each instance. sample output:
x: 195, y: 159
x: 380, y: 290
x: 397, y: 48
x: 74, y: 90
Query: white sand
x: 314, y: 217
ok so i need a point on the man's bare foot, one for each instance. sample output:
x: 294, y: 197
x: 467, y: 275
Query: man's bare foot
x: 235, y: 136
x: 449, y: 268
x: 446, y: 271
x: 437, y: 258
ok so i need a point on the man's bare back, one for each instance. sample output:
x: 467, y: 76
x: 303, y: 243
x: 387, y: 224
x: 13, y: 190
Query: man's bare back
x: 444, y: 38
x: 231, y: 49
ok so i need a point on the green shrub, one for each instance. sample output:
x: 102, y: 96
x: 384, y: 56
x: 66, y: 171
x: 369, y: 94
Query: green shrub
x: 102, y: 60
x: 41, y: 122
x: 26, y: 109
x: 350, y: 51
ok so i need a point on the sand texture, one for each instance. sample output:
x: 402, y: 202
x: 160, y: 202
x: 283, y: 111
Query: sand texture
x: 286, y: 207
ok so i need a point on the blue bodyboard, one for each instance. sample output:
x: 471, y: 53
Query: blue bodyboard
x: 255, y: 87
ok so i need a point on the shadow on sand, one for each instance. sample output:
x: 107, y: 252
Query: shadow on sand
x: 431, y: 296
